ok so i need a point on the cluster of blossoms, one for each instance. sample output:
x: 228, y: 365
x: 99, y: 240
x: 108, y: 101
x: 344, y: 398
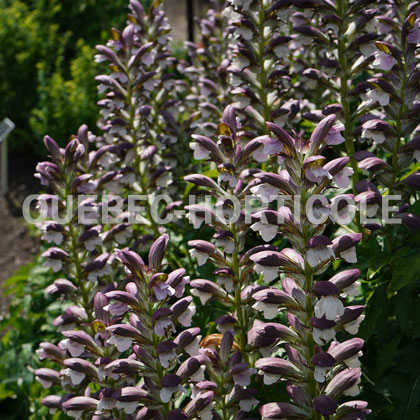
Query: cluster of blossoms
x: 136, y: 367
x: 261, y: 70
x: 208, y: 75
x: 315, y: 309
x: 142, y: 115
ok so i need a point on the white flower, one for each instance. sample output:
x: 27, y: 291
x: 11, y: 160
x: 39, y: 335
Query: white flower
x: 353, y: 326
x: 269, y: 378
x: 193, y: 348
x: 227, y: 244
x: 165, y: 358
x: 121, y: 343
x: 186, y: 317
x: 229, y: 178
x: 354, y: 362
x: 317, y: 174
x: 377, y: 136
x: 161, y: 325
x: 269, y: 273
x: 342, y: 178
x: 267, y: 231
x: 207, y: 412
x: 384, y: 61
x: 202, y: 257
x: 334, y: 135
x: 246, y: 33
x: 106, y: 404
x: 75, y: 376
x: 349, y: 255
x: 204, y: 297
x: 352, y: 391
x: 45, y: 384
x: 167, y: 392
x: 243, y: 4
x: 265, y: 192
x: 195, y: 220
x: 199, y: 151
x: 53, y: 236
x: 164, y: 180
x: 378, y: 95
x: 240, y: 62
x: 330, y: 306
x: 75, y: 349
x: 282, y: 51
x: 91, y: 243
x: 127, y: 407
x: 367, y: 49
x: 352, y: 290
x: 75, y: 414
x: 322, y: 337
x: 320, y: 373
x: 198, y: 376
x: 269, y: 147
x: 270, y: 310
x: 226, y: 282
x: 318, y: 255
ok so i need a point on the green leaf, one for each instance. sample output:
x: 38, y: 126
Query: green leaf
x: 406, y: 271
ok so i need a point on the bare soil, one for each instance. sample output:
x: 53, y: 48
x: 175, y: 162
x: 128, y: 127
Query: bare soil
x: 17, y: 247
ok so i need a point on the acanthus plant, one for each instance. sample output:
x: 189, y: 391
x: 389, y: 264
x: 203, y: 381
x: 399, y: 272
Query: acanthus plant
x: 318, y: 369
x: 208, y: 72
x: 127, y: 360
x: 350, y: 68
x: 144, y: 123
x: 261, y: 68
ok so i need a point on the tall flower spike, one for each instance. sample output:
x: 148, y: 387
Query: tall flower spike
x: 317, y: 379
x: 261, y: 59
x: 142, y: 118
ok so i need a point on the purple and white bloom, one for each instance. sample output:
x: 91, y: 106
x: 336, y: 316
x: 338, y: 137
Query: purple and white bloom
x: 163, y: 290
x: 329, y: 306
x: 375, y: 130
x: 342, y: 178
x: 265, y: 192
x: 76, y: 406
x: 75, y: 349
x: 47, y: 377
x: 334, y: 136
x: 269, y: 146
x: 323, y: 362
x: 54, y: 258
x: 166, y: 352
x: 353, y: 326
x: 225, y: 278
x: 241, y: 373
x: 224, y: 239
x: 121, y: 343
x: 201, y: 250
x: 52, y: 232
x: 345, y: 247
x: 378, y: 95
x: 319, y: 250
x: 267, y: 225
x: 170, y: 383
x: 317, y: 174
x: 383, y: 60
x: 162, y: 320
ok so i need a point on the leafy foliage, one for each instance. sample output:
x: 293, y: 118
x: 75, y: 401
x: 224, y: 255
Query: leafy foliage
x: 27, y: 324
x: 46, y: 51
